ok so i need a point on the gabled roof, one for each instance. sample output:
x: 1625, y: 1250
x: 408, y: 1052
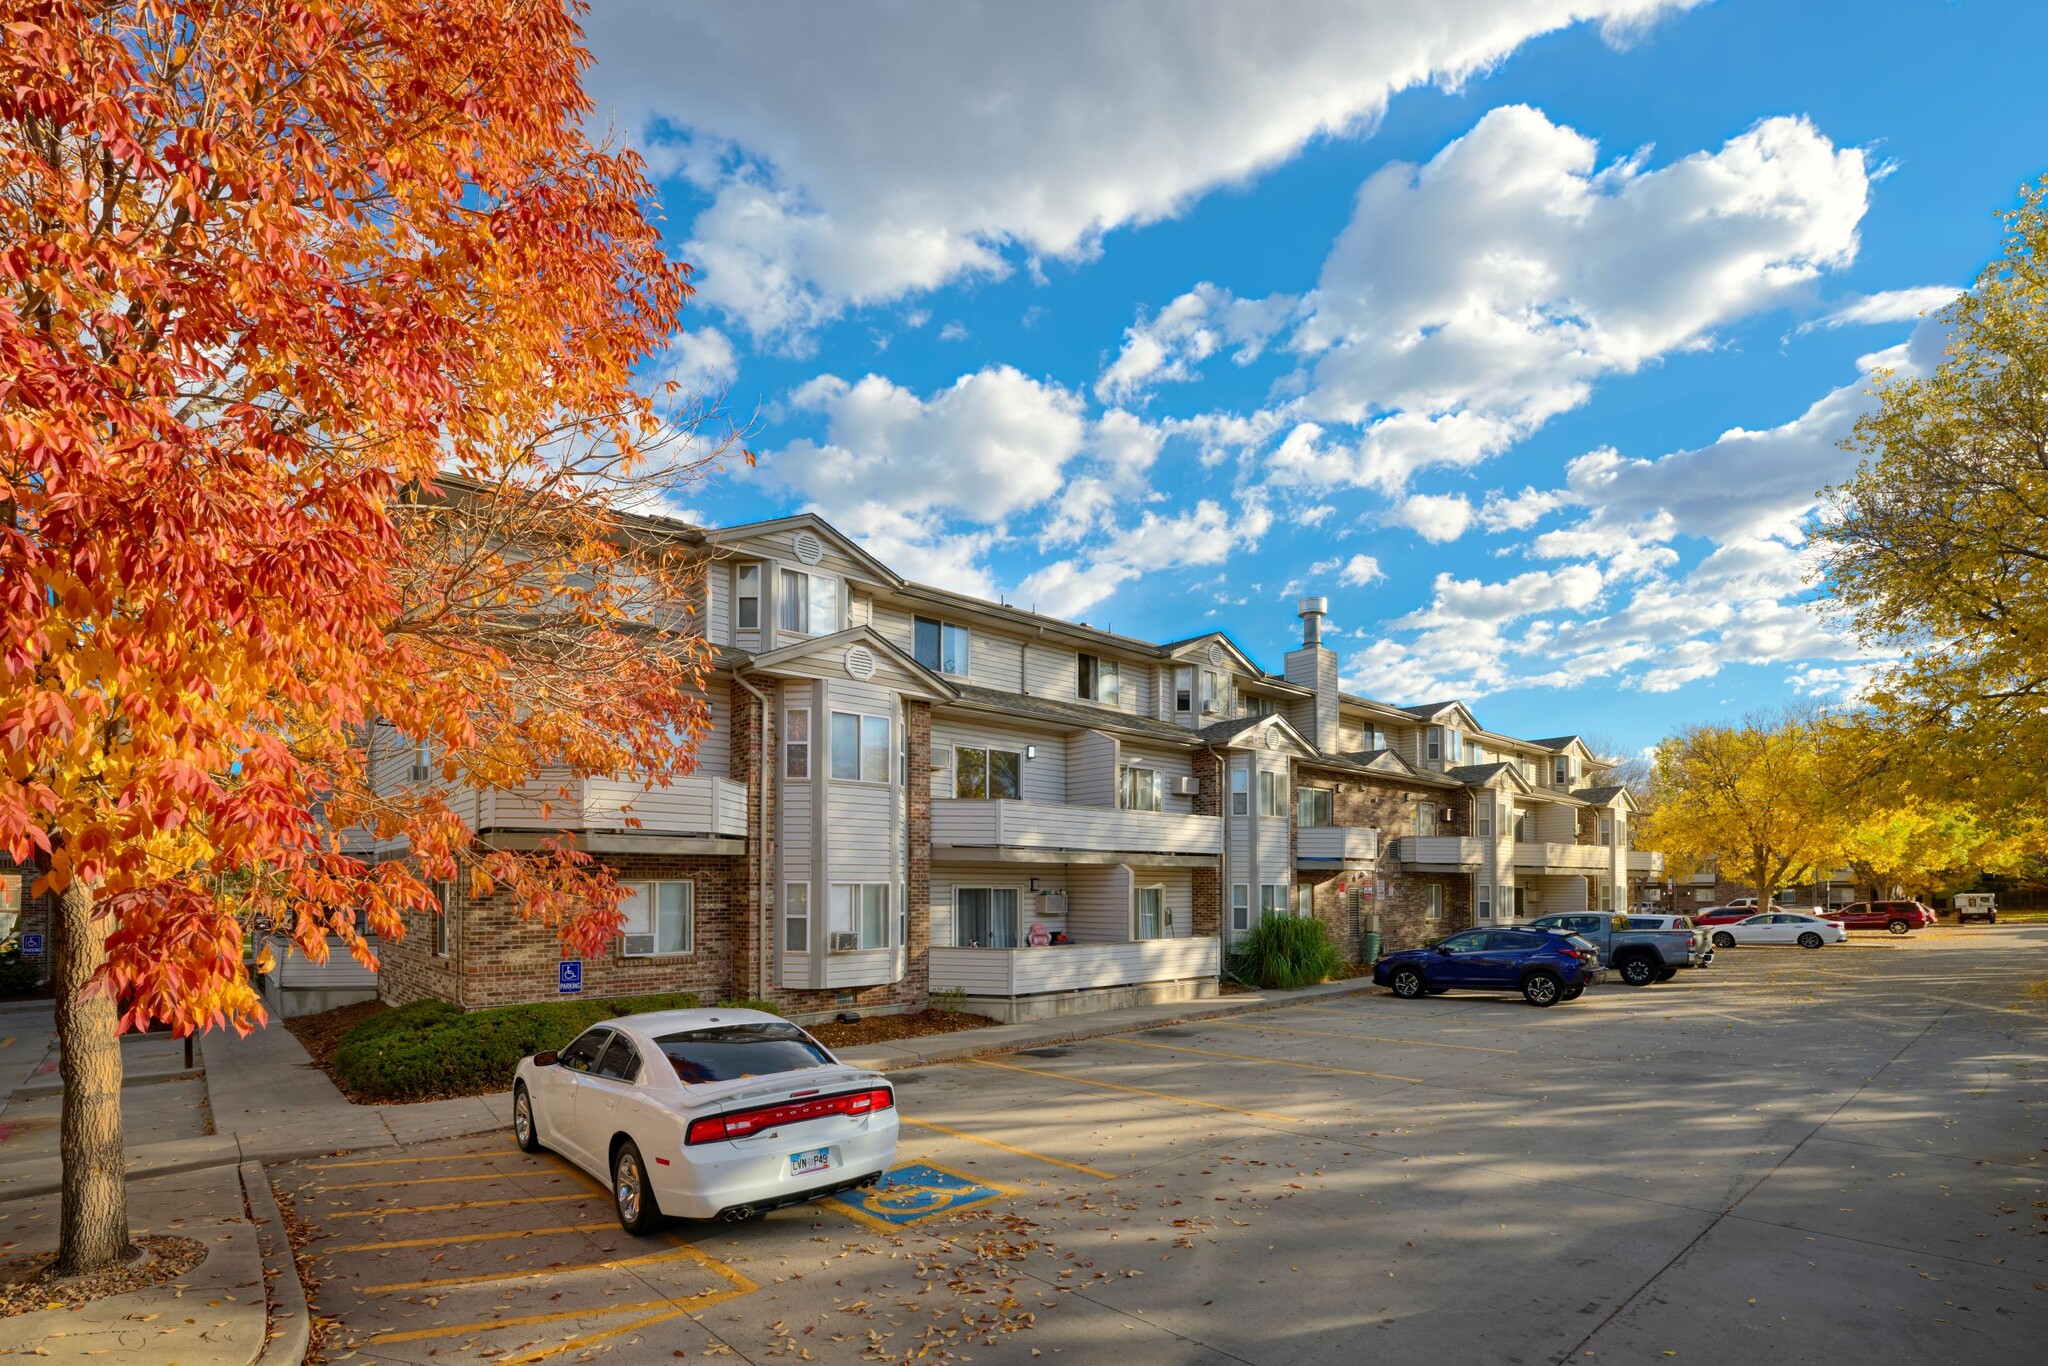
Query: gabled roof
x: 1604, y: 795
x: 1384, y: 763
x: 811, y: 522
x: 934, y: 687
x: 1560, y: 742
x: 1178, y: 649
x: 1480, y: 775
x: 1432, y: 711
x: 1079, y: 715
x: 1236, y: 732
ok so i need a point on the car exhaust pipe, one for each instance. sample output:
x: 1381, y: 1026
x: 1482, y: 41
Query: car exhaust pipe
x: 738, y: 1214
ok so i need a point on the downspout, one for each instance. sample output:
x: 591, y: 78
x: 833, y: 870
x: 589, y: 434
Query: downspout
x: 767, y: 925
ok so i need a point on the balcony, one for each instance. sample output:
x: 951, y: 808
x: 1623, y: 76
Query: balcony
x: 1439, y: 851
x: 965, y: 830
x: 1072, y: 967
x: 1335, y: 846
x: 1645, y: 863
x: 701, y: 804
x: 1564, y: 858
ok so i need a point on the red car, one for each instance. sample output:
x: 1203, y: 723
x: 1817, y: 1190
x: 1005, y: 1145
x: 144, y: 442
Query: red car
x: 1723, y: 915
x: 1900, y: 917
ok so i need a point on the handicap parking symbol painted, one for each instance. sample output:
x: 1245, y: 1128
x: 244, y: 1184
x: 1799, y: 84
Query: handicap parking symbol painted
x: 916, y: 1192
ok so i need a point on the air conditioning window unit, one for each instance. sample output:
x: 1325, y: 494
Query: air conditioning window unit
x: 418, y: 773
x: 845, y: 943
x: 1186, y: 787
x: 1209, y: 708
x: 639, y: 946
x: 942, y: 756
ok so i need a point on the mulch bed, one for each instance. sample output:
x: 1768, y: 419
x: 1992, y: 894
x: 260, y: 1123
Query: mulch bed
x: 321, y: 1034
x: 883, y: 1028
x: 31, y: 1283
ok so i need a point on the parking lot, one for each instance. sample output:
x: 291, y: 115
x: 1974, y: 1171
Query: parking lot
x: 1793, y: 1156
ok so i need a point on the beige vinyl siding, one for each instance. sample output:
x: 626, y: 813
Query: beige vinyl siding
x: 1350, y: 736
x: 1032, y: 909
x: 867, y: 968
x: 1172, y: 764
x: 893, y: 623
x: 1179, y: 885
x: 1555, y: 823
x: 1099, y: 903
x: 718, y: 602
x: 1141, y: 688
x: 1045, y: 777
x: 1239, y: 864
x: 794, y: 807
x: 714, y: 751
x: 860, y: 610
x: 1051, y: 672
x: 1091, y: 769
x: 993, y: 661
x: 863, y: 838
x: 1273, y: 846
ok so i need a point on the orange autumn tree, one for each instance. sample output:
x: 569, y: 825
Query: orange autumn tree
x: 317, y: 415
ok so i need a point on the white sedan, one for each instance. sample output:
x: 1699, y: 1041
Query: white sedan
x: 1780, y: 927
x: 706, y: 1114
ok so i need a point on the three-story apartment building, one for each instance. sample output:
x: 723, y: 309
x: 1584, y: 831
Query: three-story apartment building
x: 909, y: 791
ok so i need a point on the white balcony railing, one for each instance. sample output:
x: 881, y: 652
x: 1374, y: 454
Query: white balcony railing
x: 1336, y: 844
x: 1071, y: 967
x: 1440, y: 850
x: 701, y: 804
x: 964, y: 823
x: 1577, y: 858
x: 1646, y: 862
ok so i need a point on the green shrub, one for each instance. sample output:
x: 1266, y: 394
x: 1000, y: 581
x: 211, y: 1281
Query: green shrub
x: 18, y: 974
x: 1284, y: 952
x: 430, y: 1049
x: 766, y: 1007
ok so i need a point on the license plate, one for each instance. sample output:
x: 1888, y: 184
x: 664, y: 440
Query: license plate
x: 803, y: 1164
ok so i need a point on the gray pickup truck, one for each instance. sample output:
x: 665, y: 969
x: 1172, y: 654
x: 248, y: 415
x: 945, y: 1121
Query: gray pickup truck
x: 1637, y: 956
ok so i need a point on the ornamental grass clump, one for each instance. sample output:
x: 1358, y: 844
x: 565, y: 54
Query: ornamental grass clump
x: 1286, y: 952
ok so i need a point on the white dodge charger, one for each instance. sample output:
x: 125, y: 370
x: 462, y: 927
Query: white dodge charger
x: 1781, y: 927
x: 706, y: 1114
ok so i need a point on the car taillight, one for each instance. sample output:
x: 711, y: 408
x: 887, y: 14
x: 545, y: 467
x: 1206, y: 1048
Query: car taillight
x: 745, y: 1123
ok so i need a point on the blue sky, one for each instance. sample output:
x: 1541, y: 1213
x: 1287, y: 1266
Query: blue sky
x: 1523, y: 329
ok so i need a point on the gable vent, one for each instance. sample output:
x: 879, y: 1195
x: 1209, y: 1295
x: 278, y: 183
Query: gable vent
x: 860, y: 662
x: 808, y: 547
x: 1215, y: 653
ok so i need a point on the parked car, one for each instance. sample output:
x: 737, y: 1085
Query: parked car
x: 1975, y: 906
x: 1637, y: 956
x: 1546, y: 968
x: 1702, y: 946
x: 1723, y: 915
x: 1900, y: 917
x: 1781, y: 927
x: 741, y: 1111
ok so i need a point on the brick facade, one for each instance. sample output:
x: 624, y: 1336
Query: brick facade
x: 1341, y: 901
x: 1208, y: 882
x: 37, y: 910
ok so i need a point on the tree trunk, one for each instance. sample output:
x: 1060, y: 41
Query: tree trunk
x: 93, y: 1219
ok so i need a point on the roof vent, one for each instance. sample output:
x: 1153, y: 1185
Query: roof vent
x: 860, y: 662
x: 1312, y: 611
x: 808, y: 547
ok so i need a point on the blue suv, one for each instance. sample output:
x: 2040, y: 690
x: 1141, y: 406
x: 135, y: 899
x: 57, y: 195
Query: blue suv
x: 1545, y: 968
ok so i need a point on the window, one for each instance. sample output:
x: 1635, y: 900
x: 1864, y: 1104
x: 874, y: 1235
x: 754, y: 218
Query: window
x: 1272, y: 793
x: 582, y: 1055
x: 1272, y: 900
x: 796, y: 744
x: 1472, y: 941
x: 1522, y: 828
x: 1607, y: 897
x: 1560, y: 771
x: 1453, y: 746
x: 422, y: 763
x: 444, y: 923
x: 1257, y: 706
x: 1305, y: 901
x: 1240, y: 790
x: 1425, y: 818
x: 747, y: 595
x: 1184, y: 688
x: 1434, y: 900
x: 1137, y: 789
x: 985, y: 917
x: 807, y: 604
x: 860, y: 747
x: 619, y: 1062
x: 730, y: 1052
x: 1312, y: 806
x: 1241, y: 907
x: 988, y: 773
x: 796, y: 918
x: 1485, y: 902
x: 1101, y: 680
x: 1607, y: 831
x: 1528, y: 767
x: 1433, y: 743
x: 939, y: 645
x: 1485, y: 817
x: 1209, y: 694
x: 1475, y: 754
x: 660, y: 918
x: 1150, y: 912
x: 860, y: 916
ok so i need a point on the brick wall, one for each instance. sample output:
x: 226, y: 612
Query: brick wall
x: 1404, y: 915
x: 1387, y: 805
x: 1589, y: 825
x: 38, y: 910
x: 1208, y: 882
x: 501, y: 959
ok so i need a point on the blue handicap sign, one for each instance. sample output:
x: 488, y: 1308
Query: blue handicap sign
x: 569, y: 977
x: 31, y: 946
x: 915, y: 1192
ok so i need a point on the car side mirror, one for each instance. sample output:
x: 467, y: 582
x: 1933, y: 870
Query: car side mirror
x: 547, y: 1059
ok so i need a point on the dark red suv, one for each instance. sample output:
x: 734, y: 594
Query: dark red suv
x: 1900, y: 917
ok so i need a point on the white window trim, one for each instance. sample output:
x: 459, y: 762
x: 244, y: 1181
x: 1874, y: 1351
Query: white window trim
x: 1272, y: 899
x: 1240, y: 790
x: 986, y: 769
x: 790, y: 746
x: 1165, y: 915
x: 740, y: 597
x: 1433, y: 894
x: 860, y: 762
x: 1485, y: 902
x: 938, y: 666
x: 1329, y: 802
x: 1158, y: 787
x: 1273, y: 795
x: 1017, y: 910
x: 1240, y: 906
x: 796, y: 895
x: 1180, y: 707
x: 856, y: 895
x: 650, y: 897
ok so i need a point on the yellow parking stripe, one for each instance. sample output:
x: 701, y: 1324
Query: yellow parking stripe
x: 1369, y: 1038
x: 589, y: 1338
x: 485, y: 1155
x: 610, y: 1264
x: 1132, y: 1090
x: 453, y: 1330
x: 383, y: 1210
x: 1253, y: 1057
x: 431, y: 1180
x: 1021, y: 1152
x: 458, y: 1240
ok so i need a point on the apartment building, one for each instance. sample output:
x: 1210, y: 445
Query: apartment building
x: 910, y: 791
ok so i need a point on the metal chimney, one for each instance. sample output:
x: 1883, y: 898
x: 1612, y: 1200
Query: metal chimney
x: 1312, y: 611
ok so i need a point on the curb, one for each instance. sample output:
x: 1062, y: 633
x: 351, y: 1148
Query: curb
x: 290, y: 1331
x: 1080, y: 1032
x: 39, y: 1090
